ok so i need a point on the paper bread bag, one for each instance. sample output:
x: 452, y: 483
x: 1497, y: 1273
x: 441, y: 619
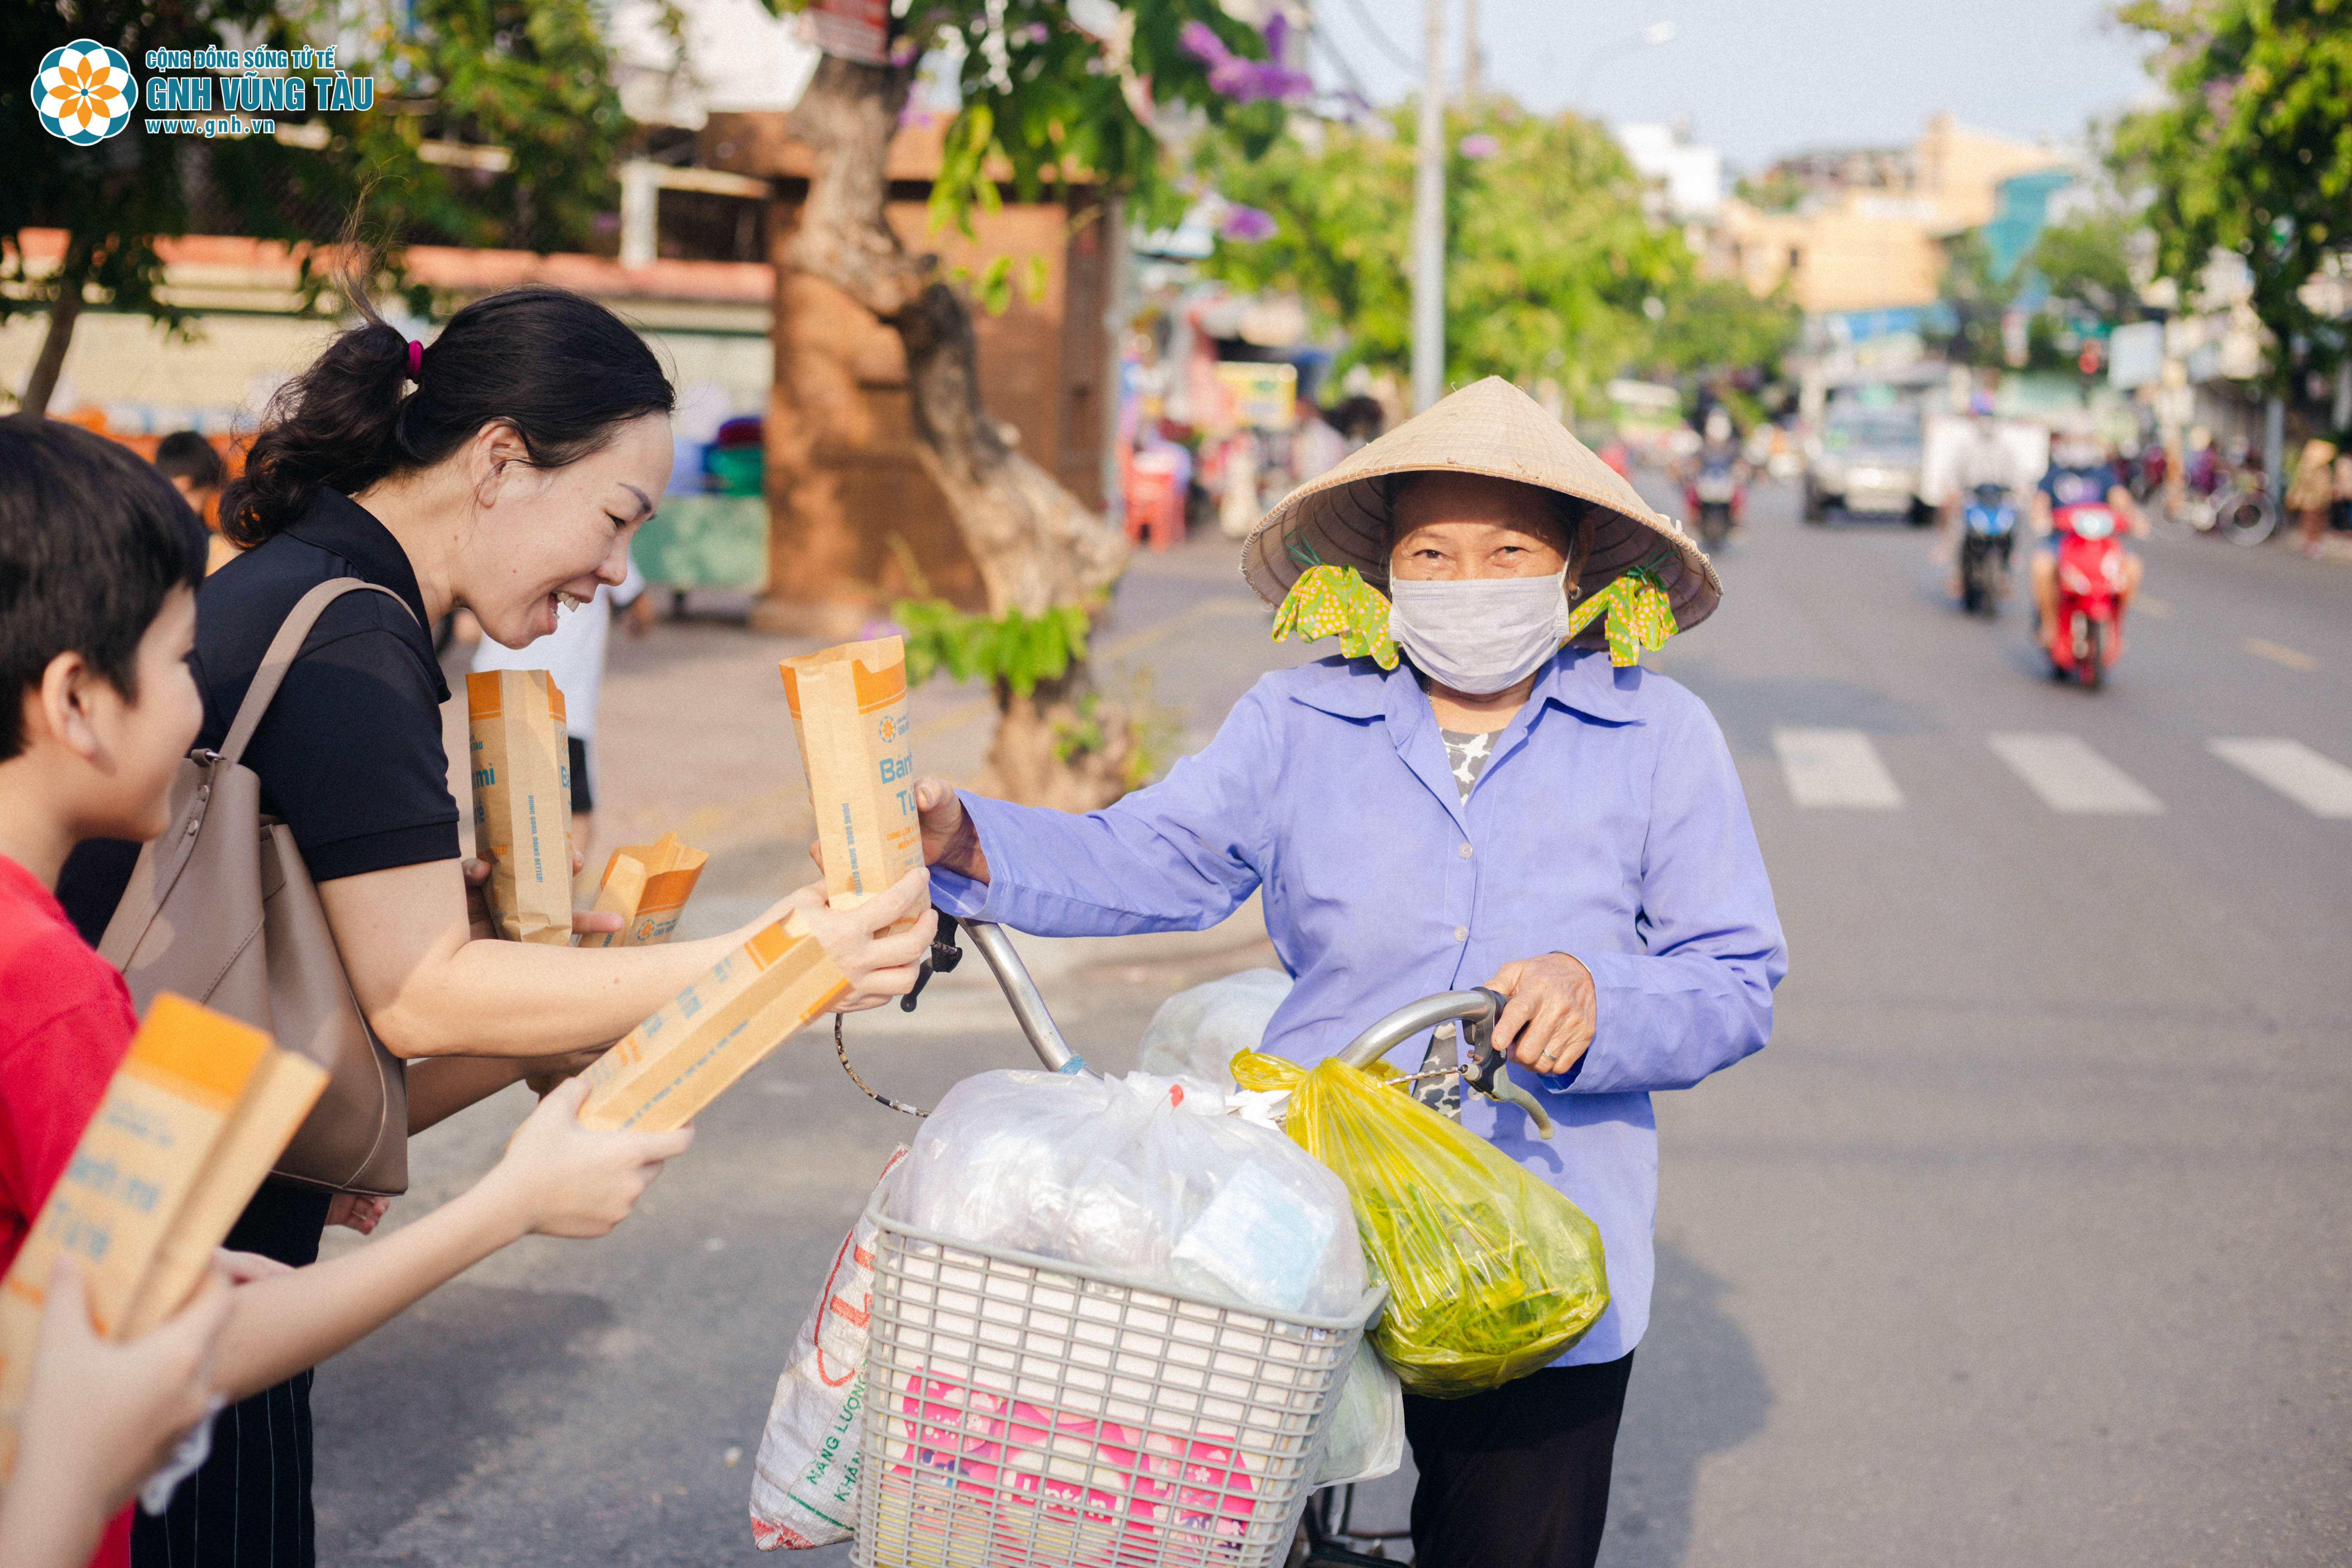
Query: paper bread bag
x: 647, y: 886
x: 713, y: 1032
x: 522, y: 802
x: 849, y: 715
x: 199, y: 1108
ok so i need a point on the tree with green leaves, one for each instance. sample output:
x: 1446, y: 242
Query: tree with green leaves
x: 1552, y: 262
x: 2250, y: 153
x: 1053, y: 96
x: 2080, y: 270
x: 1976, y: 299
x: 2086, y: 261
x: 526, y: 78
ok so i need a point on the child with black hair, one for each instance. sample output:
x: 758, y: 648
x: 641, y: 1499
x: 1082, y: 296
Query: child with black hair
x: 195, y: 470
x: 188, y: 461
x: 99, y: 562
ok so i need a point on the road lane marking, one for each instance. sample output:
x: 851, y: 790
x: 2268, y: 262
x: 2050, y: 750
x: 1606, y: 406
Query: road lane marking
x: 1206, y: 610
x: 1837, y: 768
x: 2320, y: 785
x: 2279, y: 653
x: 2071, y: 777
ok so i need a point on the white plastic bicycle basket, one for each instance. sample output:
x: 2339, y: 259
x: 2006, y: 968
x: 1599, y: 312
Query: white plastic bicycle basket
x: 1026, y: 1412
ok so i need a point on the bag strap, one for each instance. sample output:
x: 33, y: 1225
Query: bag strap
x: 283, y: 648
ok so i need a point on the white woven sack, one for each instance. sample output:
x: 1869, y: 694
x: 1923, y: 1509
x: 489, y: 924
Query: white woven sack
x: 804, y: 1482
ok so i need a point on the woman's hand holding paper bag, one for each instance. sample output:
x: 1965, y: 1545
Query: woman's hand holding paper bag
x: 878, y: 962
x: 483, y: 926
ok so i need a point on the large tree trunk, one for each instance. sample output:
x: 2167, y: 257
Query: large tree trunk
x: 1036, y: 545
x: 73, y: 272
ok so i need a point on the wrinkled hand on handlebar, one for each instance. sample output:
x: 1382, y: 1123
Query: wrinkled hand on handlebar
x: 1548, y: 1024
x: 949, y: 839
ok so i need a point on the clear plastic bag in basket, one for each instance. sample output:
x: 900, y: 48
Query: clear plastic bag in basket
x: 1147, y: 1176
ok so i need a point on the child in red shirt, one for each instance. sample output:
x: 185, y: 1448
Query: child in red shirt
x: 96, y: 621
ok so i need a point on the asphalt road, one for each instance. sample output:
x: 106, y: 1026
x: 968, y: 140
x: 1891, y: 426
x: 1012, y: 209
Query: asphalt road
x: 2024, y: 1242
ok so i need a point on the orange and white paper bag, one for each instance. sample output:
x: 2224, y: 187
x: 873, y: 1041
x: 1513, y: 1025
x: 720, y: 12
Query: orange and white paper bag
x: 647, y: 886
x: 697, y: 1044
x: 849, y: 714
x: 522, y: 802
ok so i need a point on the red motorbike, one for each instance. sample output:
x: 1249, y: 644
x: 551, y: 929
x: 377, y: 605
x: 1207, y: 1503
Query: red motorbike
x: 2087, y: 635
x: 1715, y: 498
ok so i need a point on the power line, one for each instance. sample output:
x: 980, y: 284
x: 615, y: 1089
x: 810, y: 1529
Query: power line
x: 1346, y: 68
x: 1403, y: 61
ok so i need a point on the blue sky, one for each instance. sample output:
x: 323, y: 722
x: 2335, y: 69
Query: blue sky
x: 1761, y: 78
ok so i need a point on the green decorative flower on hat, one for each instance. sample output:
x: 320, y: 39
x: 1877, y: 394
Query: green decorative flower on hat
x: 1336, y: 601
x: 1639, y: 614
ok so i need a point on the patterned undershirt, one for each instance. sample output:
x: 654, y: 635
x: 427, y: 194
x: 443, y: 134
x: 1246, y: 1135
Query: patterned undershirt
x: 1466, y: 755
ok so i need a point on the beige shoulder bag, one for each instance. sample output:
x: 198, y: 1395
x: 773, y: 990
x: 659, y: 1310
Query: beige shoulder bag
x: 220, y: 909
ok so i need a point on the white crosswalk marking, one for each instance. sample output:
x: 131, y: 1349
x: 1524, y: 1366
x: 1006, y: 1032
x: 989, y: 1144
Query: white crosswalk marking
x: 2320, y: 785
x: 2070, y: 776
x: 1835, y: 768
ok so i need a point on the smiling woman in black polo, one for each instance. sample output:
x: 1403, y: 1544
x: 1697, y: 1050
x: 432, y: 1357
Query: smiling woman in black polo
x: 504, y: 468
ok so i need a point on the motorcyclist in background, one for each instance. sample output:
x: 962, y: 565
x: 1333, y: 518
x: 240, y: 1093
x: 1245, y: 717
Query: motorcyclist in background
x: 2080, y: 472
x: 1719, y: 445
x: 1983, y: 458
x: 1718, y: 450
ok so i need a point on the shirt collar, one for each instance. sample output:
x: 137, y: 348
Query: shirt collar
x: 15, y: 882
x: 1578, y: 678
x: 340, y: 526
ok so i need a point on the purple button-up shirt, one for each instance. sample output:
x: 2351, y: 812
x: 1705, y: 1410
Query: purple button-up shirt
x: 1608, y: 824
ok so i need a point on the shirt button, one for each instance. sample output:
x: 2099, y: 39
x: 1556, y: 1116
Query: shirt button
x: 1465, y: 852
x: 1462, y: 933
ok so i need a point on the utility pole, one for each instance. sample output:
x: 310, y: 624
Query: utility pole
x: 1429, y: 216
x: 1474, y: 59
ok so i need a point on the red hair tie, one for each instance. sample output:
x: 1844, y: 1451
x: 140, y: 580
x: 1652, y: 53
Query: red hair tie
x: 415, y: 358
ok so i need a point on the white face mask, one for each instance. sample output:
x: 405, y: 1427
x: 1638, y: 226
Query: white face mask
x: 1480, y: 634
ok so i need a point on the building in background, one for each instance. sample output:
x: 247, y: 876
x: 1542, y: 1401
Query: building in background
x: 1861, y: 230
x: 1683, y: 175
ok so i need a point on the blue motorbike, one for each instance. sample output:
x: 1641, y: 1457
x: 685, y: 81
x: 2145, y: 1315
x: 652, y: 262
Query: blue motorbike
x: 1988, y: 526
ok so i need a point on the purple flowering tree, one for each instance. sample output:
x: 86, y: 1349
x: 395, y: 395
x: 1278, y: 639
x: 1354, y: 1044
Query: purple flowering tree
x: 1057, y: 95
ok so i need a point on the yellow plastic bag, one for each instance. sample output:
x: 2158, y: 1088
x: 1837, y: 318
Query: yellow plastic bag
x: 1491, y: 1273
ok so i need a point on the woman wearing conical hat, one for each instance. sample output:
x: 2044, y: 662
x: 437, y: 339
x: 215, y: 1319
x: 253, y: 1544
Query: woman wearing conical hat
x: 1482, y: 786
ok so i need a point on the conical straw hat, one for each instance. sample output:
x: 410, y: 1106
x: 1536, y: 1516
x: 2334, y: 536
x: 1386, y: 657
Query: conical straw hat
x: 1341, y: 519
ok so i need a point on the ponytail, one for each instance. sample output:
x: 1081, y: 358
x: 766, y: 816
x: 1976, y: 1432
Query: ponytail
x: 561, y: 371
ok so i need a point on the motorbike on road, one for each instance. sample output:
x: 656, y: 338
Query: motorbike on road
x: 2087, y: 634
x: 1987, y: 530
x: 2225, y: 500
x: 1714, y: 499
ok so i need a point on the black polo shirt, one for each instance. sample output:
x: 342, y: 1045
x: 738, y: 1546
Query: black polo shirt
x: 349, y: 753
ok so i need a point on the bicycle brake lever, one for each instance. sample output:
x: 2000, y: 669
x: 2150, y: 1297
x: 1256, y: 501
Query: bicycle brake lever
x: 1486, y: 1072
x: 1478, y: 1033
x: 945, y: 956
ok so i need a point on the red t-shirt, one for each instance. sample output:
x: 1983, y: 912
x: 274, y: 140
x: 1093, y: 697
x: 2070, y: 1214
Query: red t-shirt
x: 65, y: 1026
